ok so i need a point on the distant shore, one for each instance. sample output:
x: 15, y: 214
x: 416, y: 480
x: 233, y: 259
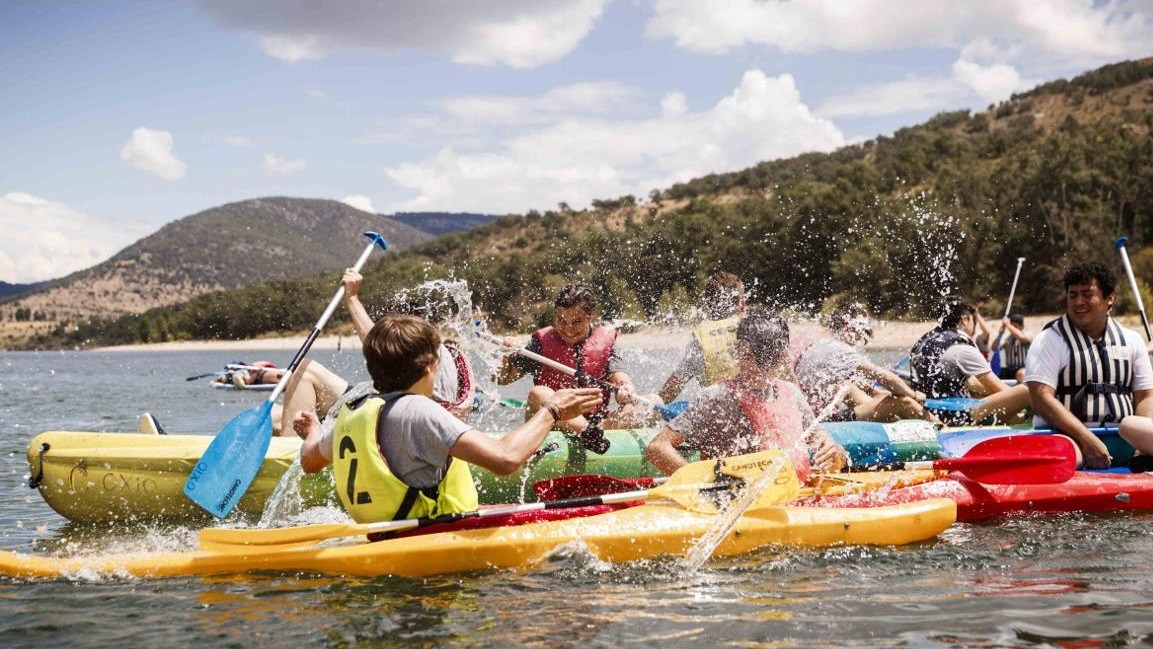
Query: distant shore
x: 889, y: 334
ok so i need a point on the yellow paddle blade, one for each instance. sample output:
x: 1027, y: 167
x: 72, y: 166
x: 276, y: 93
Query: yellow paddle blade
x: 215, y: 536
x: 707, y: 486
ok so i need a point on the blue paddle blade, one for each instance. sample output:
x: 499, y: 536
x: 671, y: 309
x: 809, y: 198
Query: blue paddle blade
x: 995, y: 362
x: 671, y: 411
x: 952, y: 404
x: 231, y: 461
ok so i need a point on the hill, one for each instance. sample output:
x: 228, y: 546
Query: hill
x: 899, y: 222
x: 11, y: 290
x: 438, y: 223
x: 223, y: 248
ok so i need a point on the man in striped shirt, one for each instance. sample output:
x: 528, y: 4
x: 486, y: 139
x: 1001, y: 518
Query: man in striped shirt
x: 1085, y: 370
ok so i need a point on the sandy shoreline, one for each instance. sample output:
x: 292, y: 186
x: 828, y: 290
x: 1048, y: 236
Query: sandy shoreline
x: 889, y: 334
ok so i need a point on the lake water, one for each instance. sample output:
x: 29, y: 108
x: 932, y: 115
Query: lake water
x: 1056, y: 581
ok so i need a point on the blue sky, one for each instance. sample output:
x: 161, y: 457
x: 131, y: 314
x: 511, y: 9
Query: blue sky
x: 121, y: 116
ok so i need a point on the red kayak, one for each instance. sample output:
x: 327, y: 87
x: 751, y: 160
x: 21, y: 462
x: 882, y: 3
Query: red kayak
x: 1086, y: 491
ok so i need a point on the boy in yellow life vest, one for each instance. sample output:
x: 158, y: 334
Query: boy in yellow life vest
x: 396, y: 453
x: 711, y: 353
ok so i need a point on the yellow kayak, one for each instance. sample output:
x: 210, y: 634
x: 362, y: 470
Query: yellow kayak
x: 640, y: 532
x: 100, y: 477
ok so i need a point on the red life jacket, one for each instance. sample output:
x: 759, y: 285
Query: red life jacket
x: 777, y: 422
x: 593, y: 359
x: 466, y: 392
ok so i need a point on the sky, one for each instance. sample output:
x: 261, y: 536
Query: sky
x: 119, y: 116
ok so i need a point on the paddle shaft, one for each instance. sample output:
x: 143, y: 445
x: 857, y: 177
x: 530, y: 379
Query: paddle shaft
x: 1008, y: 309
x: 1120, y: 246
x: 376, y: 240
x: 275, y: 536
x: 561, y: 367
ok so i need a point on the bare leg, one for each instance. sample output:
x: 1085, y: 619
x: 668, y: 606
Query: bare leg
x: 313, y: 387
x: 1006, y: 405
x: 886, y: 407
x: 1138, y: 431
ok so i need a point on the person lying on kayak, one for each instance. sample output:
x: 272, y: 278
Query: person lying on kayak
x: 396, y: 453
x: 1085, y: 370
x: 753, y: 411
x: 257, y: 373
x: 945, y: 363
x: 574, y: 341
x: 316, y: 388
x: 823, y: 362
x: 711, y: 353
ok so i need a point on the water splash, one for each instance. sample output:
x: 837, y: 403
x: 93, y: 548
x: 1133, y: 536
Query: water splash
x: 728, y: 517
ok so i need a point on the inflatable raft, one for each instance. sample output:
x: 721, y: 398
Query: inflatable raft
x: 645, y: 531
x: 126, y: 477
x: 1086, y: 491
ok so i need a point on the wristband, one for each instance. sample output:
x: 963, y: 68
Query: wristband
x: 553, y: 410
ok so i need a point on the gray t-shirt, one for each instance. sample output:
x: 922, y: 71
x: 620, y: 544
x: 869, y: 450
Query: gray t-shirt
x: 964, y: 361
x: 715, y: 424
x: 824, y: 366
x: 418, y: 435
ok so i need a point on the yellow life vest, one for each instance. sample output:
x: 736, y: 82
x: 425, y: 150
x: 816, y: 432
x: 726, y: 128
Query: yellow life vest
x: 366, y: 485
x: 718, y: 340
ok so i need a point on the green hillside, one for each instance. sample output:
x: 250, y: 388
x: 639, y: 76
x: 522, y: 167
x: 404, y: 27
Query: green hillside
x: 946, y: 207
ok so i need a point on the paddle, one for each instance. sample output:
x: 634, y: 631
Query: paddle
x: 201, y: 376
x: 231, y: 461
x: 1017, y: 459
x: 667, y: 412
x: 695, y: 487
x: 995, y: 361
x: 1120, y: 246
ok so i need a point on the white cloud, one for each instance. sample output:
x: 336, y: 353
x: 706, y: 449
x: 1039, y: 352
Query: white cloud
x: 1081, y: 32
x: 360, y: 202
x: 151, y: 151
x: 578, y: 159
x: 278, y: 165
x: 515, y: 33
x: 572, y: 100
x: 46, y: 240
x: 969, y: 82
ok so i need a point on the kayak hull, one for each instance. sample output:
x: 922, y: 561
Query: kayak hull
x: 645, y: 531
x: 95, y: 477
x: 1086, y: 491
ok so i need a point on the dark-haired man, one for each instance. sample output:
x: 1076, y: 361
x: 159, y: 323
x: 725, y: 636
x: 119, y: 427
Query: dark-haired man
x: 945, y: 362
x: 711, y: 353
x: 1084, y: 369
x: 396, y: 453
x: 575, y: 341
x: 753, y: 411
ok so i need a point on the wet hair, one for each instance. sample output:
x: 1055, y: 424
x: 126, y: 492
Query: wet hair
x: 1087, y: 271
x: 847, y: 312
x: 764, y: 335
x: 1017, y: 318
x: 953, y: 310
x: 723, y: 294
x: 576, y: 295
x: 398, y: 350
